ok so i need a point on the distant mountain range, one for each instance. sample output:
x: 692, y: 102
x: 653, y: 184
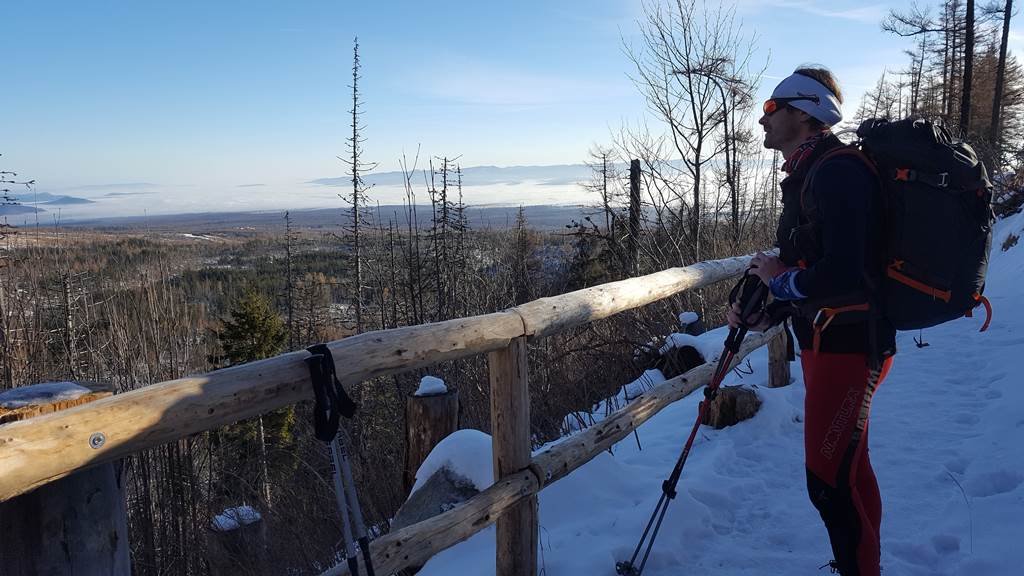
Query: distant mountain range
x: 480, y: 217
x: 45, y: 198
x: 18, y: 209
x: 556, y: 175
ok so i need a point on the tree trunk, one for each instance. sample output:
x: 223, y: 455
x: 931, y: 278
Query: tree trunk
x: 634, y: 217
x: 264, y: 469
x: 946, y: 59
x: 997, y: 96
x: 965, y: 96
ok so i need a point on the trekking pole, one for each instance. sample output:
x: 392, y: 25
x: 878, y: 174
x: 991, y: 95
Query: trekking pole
x: 346, y: 528
x: 331, y: 403
x: 341, y: 452
x: 751, y: 294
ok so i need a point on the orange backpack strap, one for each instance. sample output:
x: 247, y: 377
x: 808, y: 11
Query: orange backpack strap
x: 825, y: 316
x: 988, y: 311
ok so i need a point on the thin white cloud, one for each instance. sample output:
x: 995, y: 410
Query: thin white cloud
x: 872, y: 13
x: 115, y: 186
x: 479, y: 83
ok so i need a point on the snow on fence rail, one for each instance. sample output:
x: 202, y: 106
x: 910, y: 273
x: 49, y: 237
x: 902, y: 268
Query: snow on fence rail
x: 48, y: 447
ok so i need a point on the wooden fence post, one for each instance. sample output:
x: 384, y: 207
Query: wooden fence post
x: 778, y: 361
x: 633, y: 242
x: 510, y: 427
x: 74, y: 525
x: 428, y: 420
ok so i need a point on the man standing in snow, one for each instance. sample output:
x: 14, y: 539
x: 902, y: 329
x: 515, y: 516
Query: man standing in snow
x: 830, y: 252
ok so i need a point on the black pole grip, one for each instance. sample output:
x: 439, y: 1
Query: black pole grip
x: 751, y: 295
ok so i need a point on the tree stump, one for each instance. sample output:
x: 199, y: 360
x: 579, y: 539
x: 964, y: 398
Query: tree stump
x: 428, y: 420
x: 732, y: 405
x: 74, y: 525
x: 237, y: 543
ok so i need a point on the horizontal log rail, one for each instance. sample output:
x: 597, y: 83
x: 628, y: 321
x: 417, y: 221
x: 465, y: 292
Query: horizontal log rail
x: 547, y: 316
x: 52, y: 446
x: 415, y: 544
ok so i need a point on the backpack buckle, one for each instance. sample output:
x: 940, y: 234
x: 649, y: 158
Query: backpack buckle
x: 943, y: 180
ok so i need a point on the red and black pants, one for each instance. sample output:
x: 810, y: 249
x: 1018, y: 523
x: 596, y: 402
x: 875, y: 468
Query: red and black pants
x: 840, y: 481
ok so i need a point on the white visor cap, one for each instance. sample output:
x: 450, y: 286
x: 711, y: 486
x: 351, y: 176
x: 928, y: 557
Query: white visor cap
x: 825, y: 108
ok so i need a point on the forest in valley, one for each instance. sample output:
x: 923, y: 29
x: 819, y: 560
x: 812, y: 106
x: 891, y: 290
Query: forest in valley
x: 133, y: 307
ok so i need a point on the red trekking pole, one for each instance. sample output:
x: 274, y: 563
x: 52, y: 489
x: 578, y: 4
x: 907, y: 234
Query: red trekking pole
x: 751, y: 293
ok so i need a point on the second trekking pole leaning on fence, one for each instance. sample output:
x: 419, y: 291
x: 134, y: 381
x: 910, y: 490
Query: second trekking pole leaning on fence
x: 751, y: 294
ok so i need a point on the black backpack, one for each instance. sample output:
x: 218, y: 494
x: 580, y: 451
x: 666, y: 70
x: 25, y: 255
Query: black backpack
x: 938, y: 221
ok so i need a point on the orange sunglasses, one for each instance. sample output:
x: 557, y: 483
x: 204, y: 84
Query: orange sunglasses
x: 772, y: 105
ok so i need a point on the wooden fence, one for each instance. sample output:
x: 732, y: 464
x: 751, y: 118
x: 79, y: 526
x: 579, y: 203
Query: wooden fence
x: 48, y: 447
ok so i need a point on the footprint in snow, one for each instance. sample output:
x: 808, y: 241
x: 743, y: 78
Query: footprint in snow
x: 967, y: 419
x: 722, y: 510
x: 993, y: 483
x: 914, y: 553
x: 957, y: 465
x: 946, y: 543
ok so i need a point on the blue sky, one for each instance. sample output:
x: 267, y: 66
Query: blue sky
x: 234, y: 105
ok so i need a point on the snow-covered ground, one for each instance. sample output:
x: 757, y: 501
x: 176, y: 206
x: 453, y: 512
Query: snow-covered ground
x: 947, y: 445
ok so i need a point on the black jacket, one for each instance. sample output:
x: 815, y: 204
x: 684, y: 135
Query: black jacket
x: 834, y: 230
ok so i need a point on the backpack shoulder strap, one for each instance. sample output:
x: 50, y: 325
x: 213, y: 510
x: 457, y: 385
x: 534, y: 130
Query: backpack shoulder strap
x: 850, y: 150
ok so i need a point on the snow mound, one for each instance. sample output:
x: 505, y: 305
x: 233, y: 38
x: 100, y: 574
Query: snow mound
x: 687, y: 318
x: 649, y: 379
x: 234, y: 518
x: 41, y: 394
x: 464, y: 452
x: 708, y: 346
x: 431, y: 386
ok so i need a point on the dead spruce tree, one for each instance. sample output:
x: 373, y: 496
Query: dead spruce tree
x: 357, y: 213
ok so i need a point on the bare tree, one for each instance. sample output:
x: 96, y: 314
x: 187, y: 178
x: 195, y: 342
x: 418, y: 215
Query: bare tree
x: 289, y: 287
x: 357, y: 199
x: 603, y: 182
x: 690, y: 69
x: 7, y: 198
